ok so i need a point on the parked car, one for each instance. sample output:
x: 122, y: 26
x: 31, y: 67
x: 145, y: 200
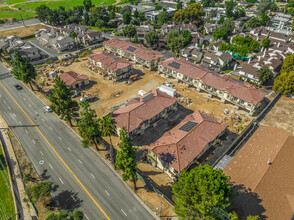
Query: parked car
x: 47, y: 109
x: 169, y: 84
x: 18, y: 87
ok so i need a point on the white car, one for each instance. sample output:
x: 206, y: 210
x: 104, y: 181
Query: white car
x: 47, y: 109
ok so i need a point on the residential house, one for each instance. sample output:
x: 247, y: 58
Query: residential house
x: 54, y: 40
x: 281, y: 23
x: 166, y: 28
x: 217, y: 59
x: 214, y: 13
x: 240, y: 94
x: 107, y: 64
x: 262, y: 173
x: 145, y: 111
x: 26, y: 49
x: 210, y: 28
x: 136, y: 53
x: 84, y: 35
x: 74, y: 80
x: 181, y: 146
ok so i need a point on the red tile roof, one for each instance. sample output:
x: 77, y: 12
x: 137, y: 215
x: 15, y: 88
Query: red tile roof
x: 71, y: 77
x: 179, y: 148
x: 245, y: 92
x: 110, y: 61
x: 136, y: 111
x: 140, y: 51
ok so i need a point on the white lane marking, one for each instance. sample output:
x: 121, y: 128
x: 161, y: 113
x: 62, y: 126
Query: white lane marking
x: 93, y: 176
x: 43, y: 119
x: 60, y: 180
x: 42, y: 153
x: 30, y: 105
x: 80, y: 161
x: 20, y: 123
x: 9, y: 108
x: 26, y: 131
x: 24, y: 98
x: 4, y: 101
x: 50, y: 166
x: 36, y: 112
x: 14, y: 115
x: 107, y: 192
x: 33, y: 141
x: 59, y: 138
x: 73, y: 198
x: 68, y: 148
x: 50, y: 128
x: 86, y: 217
x: 0, y: 95
x: 123, y: 212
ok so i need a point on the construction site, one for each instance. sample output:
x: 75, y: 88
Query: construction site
x: 109, y: 94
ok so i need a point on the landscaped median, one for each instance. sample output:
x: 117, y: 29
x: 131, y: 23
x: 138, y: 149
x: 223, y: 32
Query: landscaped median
x: 7, y: 208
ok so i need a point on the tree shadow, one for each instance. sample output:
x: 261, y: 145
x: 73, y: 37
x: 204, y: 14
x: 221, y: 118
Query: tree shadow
x: 246, y: 202
x: 66, y: 200
x: 3, y: 164
x: 44, y: 175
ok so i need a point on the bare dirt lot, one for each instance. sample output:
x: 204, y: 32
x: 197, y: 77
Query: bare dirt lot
x: 22, y: 32
x: 281, y: 115
x: 109, y: 94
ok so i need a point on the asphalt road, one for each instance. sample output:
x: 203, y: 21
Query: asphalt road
x: 81, y: 178
x: 18, y: 24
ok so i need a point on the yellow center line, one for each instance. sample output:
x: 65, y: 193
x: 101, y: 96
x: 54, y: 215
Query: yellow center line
x: 96, y: 203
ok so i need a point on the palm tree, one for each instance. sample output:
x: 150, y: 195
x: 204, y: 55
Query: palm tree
x: 107, y: 126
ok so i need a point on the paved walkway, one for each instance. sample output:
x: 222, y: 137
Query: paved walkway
x: 27, y: 212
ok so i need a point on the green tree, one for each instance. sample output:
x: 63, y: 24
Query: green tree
x: 179, y: 5
x: 265, y: 74
x: 292, y: 24
x: 39, y: 191
x: 63, y: 215
x: 112, y: 14
x: 193, y: 13
x: 158, y: 7
x: 136, y: 13
x: 179, y: 16
x: 187, y: 36
x: 288, y: 64
x: 129, y: 31
x: 136, y: 38
x: 254, y: 22
x: 43, y: 13
x: 228, y: 26
x: 62, y: 103
x: 264, y: 18
x: 99, y: 13
x: 107, y: 126
x: 202, y: 193
x: 87, y: 4
x: 218, y: 34
x: 127, y: 17
x: 126, y: 158
x: 73, y: 35
x: 274, y: 7
x: 162, y: 17
x: 251, y: 217
x: 233, y: 216
x: 208, y: 3
x: 284, y: 83
x: 88, y: 126
x: 221, y: 20
x: 152, y: 38
x: 125, y: 9
x: 22, y: 69
x: 230, y: 8
x: 263, y: 6
x: 175, y: 41
x: 266, y: 43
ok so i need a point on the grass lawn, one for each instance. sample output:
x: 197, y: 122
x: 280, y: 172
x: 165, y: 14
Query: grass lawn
x: 31, y: 6
x: 6, y: 200
x: 16, y: 14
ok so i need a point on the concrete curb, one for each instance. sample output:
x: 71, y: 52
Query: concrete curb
x: 127, y: 186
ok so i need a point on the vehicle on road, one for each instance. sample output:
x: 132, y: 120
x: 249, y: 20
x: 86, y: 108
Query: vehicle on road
x: 168, y: 84
x: 18, y: 87
x: 47, y: 109
x: 87, y: 97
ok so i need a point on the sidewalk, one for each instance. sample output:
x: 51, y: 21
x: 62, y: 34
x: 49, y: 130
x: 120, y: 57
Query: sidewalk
x: 28, y: 212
